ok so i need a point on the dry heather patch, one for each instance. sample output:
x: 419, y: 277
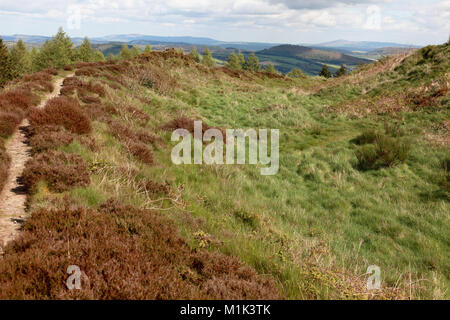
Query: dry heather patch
x: 60, y: 170
x: 49, y: 137
x: 9, y: 122
x: 125, y: 134
x: 151, y: 76
x: 140, y: 151
x: 38, y: 76
x: 123, y: 253
x: 188, y: 124
x: 18, y: 98
x: 62, y: 111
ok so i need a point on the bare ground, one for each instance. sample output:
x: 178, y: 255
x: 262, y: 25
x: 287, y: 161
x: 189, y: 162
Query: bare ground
x: 13, y: 195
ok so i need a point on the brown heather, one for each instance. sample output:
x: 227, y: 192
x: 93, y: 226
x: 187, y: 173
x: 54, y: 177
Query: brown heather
x: 123, y: 253
x: 140, y: 151
x: 49, y: 137
x: 62, y: 111
x: 59, y: 170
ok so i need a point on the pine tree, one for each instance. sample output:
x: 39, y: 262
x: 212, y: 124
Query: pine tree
x: 270, y: 68
x: 341, y: 72
x: 20, y: 59
x: 85, y: 52
x: 34, y: 56
x: 233, y: 62
x: 296, y: 73
x: 56, y: 53
x: 125, y: 52
x: 98, y: 56
x: 252, y: 63
x: 325, y: 72
x: 111, y: 57
x: 5, y: 64
x: 135, y: 51
x: 147, y: 49
x: 241, y: 59
x: 195, y: 55
x: 207, y: 58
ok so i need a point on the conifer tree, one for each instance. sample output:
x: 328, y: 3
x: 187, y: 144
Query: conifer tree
x: 34, y: 56
x: 135, y: 51
x: 195, y: 55
x: 98, y: 56
x: 252, y: 63
x: 20, y: 59
x: 270, y: 68
x: 85, y: 52
x: 125, y: 52
x: 341, y: 72
x: 325, y: 72
x: 296, y: 73
x: 241, y: 59
x: 56, y: 53
x: 111, y: 57
x: 207, y: 58
x: 5, y: 64
x: 147, y: 49
x: 233, y: 62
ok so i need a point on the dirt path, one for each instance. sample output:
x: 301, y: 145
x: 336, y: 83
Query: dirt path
x: 13, y: 195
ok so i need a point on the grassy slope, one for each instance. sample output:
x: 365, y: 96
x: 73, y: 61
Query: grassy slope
x: 317, y: 225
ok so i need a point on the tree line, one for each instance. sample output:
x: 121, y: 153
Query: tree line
x: 60, y: 51
x: 54, y: 53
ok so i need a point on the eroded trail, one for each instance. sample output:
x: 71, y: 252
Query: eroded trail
x: 13, y: 195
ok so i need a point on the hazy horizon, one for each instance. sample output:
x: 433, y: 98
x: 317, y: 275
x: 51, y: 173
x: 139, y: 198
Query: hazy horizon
x: 272, y: 21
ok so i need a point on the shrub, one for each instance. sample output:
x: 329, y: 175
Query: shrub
x: 62, y: 111
x: 88, y: 99
x: 68, y: 90
x: 383, y: 152
x: 9, y: 122
x: 49, y: 137
x: 367, y: 136
x: 123, y: 253
x: 60, y: 170
x: 140, y: 151
x: 153, y: 187
x: 18, y: 98
x: 43, y: 76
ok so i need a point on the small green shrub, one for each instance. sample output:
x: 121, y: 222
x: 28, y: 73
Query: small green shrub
x: 384, y: 151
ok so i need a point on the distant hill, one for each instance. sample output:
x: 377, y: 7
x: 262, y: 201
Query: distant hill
x: 364, y: 46
x: 310, y: 60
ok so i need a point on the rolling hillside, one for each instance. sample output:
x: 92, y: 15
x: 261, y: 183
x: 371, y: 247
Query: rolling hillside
x: 310, y: 60
x: 363, y: 180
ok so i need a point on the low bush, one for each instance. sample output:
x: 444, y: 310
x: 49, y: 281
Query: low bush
x: 18, y: 98
x: 123, y: 253
x: 62, y: 111
x: 140, y: 151
x: 49, y: 137
x: 60, y: 170
x: 9, y: 122
x: 384, y: 151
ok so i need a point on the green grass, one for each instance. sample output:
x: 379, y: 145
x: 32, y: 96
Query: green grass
x: 320, y: 220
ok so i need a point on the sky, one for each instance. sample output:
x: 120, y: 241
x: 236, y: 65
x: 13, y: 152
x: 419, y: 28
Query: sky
x: 417, y: 22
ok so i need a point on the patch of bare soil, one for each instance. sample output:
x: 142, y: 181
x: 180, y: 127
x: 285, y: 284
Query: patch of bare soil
x: 13, y: 195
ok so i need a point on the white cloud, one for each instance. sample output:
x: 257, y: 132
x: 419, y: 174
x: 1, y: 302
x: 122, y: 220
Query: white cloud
x: 289, y: 15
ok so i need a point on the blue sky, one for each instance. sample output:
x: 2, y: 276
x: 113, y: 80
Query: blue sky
x: 288, y: 21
